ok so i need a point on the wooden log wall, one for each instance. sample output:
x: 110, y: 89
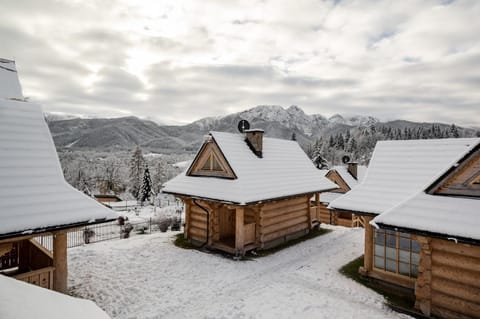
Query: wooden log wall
x: 324, y: 214
x: 453, y: 280
x: 284, y: 217
x: 197, y: 229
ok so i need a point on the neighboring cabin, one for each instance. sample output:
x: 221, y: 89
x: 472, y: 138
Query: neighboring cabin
x: 424, y: 196
x: 244, y: 191
x: 107, y: 198
x: 346, y: 177
x: 35, y: 198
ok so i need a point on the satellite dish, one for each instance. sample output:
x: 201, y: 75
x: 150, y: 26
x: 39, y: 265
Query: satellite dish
x: 243, y: 125
x: 345, y: 159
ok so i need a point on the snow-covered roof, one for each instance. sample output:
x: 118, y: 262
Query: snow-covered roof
x: 183, y: 164
x: 445, y: 215
x: 348, y: 178
x: 42, y: 303
x: 400, y: 169
x: 328, y: 197
x: 33, y: 192
x: 284, y: 170
x: 9, y: 84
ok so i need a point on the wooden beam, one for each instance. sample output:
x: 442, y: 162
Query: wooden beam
x: 239, y: 231
x: 5, y: 248
x: 368, y: 258
x: 188, y: 204
x: 60, y: 274
x: 423, y: 290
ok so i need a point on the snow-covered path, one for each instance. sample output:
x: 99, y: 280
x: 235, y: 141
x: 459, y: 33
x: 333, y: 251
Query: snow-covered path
x: 148, y: 277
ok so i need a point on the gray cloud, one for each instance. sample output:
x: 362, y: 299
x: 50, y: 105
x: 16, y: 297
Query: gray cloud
x: 179, y: 63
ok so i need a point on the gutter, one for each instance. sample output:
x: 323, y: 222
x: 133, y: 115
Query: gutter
x: 260, y: 201
x: 35, y: 231
x: 208, y: 220
x: 462, y: 240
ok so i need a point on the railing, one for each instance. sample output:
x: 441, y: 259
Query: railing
x: 41, y: 277
x: 249, y: 233
x: 357, y: 221
x: 10, y: 259
x: 314, y: 213
x: 102, y: 232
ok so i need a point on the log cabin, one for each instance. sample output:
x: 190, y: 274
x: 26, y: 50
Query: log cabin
x: 107, y: 198
x: 244, y: 191
x: 35, y: 198
x: 346, y: 177
x: 424, y: 199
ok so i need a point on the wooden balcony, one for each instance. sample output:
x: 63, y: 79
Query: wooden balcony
x: 28, y: 261
x: 41, y: 277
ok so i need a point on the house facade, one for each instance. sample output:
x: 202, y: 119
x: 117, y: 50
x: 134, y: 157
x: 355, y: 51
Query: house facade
x: 36, y: 199
x: 346, y: 177
x: 244, y: 191
x: 424, y: 234
x: 444, y: 220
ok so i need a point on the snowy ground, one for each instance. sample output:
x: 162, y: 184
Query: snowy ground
x: 148, y: 277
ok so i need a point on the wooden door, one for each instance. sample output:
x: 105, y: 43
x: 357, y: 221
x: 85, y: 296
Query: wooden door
x: 226, y: 222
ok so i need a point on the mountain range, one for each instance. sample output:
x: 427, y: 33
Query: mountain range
x: 125, y: 133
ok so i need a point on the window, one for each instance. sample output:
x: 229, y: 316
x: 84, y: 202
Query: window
x: 396, y: 252
x: 212, y: 164
x: 476, y: 181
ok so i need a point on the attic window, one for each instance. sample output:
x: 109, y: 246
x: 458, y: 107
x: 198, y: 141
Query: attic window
x: 212, y: 164
x: 476, y: 181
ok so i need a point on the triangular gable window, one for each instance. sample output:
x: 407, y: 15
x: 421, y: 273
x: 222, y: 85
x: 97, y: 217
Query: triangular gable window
x: 476, y: 181
x: 464, y: 180
x: 210, y: 162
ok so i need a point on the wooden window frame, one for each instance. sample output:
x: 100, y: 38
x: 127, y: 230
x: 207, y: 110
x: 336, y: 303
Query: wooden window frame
x: 398, y: 235
x: 207, y: 155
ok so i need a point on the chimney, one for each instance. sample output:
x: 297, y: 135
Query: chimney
x: 254, y: 139
x: 352, y: 169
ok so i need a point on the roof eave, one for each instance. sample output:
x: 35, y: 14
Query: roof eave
x: 353, y: 211
x: 251, y: 202
x: 457, y: 239
x: 41, y: 230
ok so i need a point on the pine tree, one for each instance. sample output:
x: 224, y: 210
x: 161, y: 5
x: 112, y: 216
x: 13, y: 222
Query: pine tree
x: 454, y: 131
x: 317, y: 157
x: 137, y: 164
x: 340, y: 142
x: 146, y: 190
x: 352, y: 146
x: 160, y: 175
x: 331, y: 142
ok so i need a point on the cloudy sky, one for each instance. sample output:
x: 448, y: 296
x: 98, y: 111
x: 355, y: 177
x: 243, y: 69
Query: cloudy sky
x: 180, y: 60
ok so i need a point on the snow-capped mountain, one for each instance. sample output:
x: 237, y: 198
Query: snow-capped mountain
x: 356, y: 120
x: 293, y: 118
x: 127, y: 132
x: 55, y: 116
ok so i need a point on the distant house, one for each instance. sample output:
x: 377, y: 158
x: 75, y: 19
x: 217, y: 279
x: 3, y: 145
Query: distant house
x: 424, y: 198
x: 124, y: 206
x: 35, y: 199
x: 107, y: 198
x: 346, y: 177
x: 244, y: 191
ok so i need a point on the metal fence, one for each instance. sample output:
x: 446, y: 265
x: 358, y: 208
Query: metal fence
x: 106, y: 231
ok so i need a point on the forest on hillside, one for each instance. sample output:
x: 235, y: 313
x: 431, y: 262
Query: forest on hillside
x: 122, y: 173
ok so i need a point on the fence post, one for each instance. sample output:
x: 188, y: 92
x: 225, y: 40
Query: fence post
x: 150, y: 225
